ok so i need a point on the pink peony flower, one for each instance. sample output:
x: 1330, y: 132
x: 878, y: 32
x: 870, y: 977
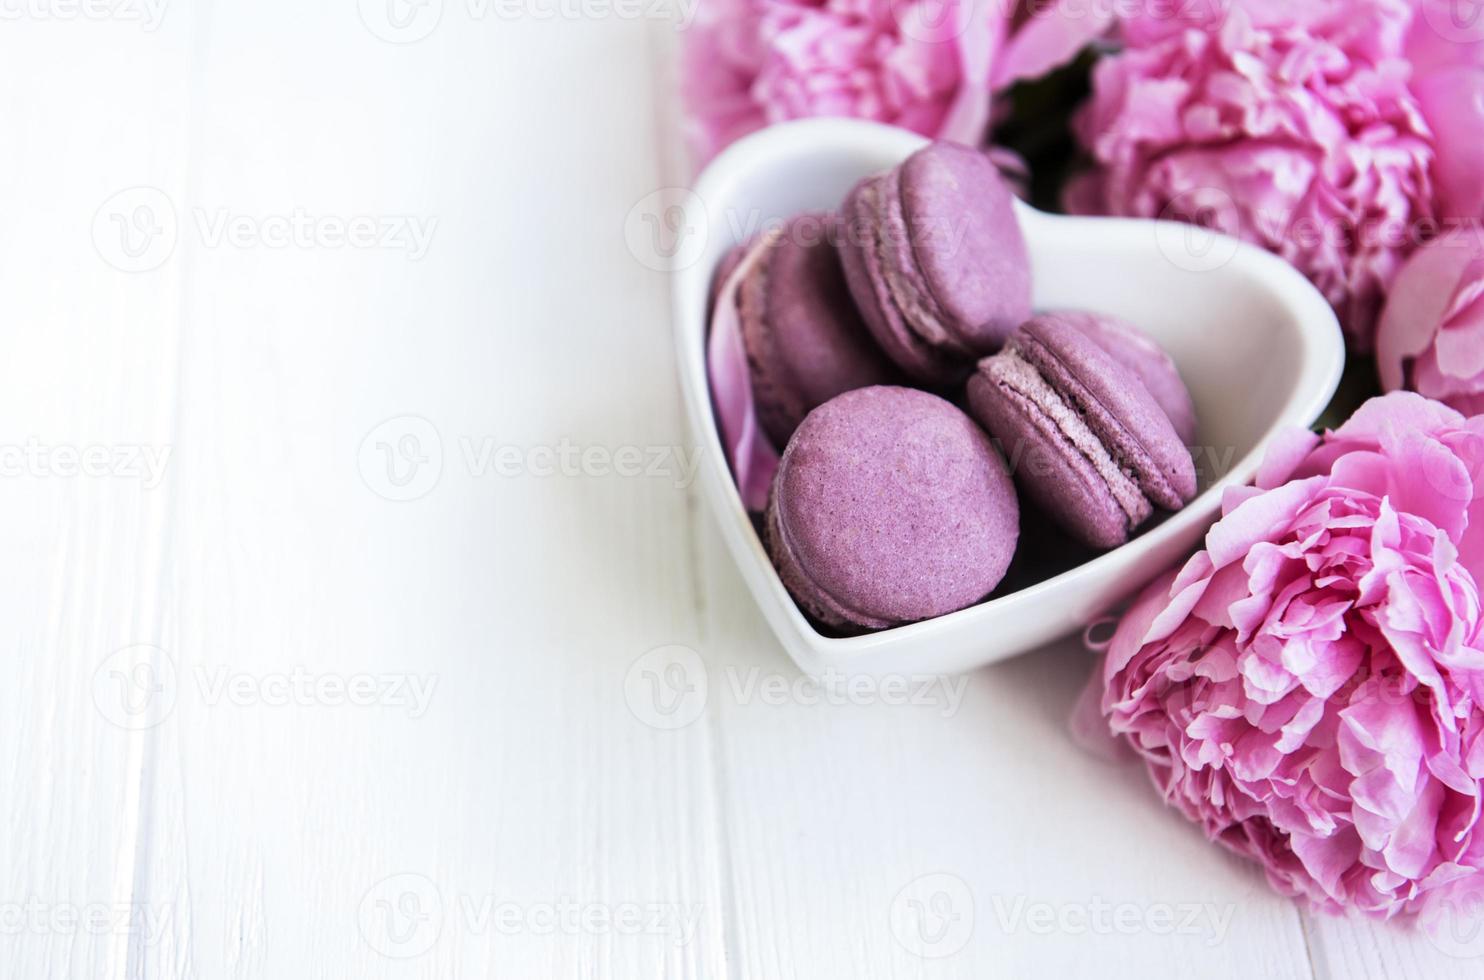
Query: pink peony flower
x: 1310, y: 688
x: 920, y: 64
x: 926, y: 65
x: 1446, y: 49
x: 1288, y: 125
x: 1431, y: 335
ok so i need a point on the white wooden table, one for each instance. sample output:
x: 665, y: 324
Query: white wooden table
x: 266, y: 274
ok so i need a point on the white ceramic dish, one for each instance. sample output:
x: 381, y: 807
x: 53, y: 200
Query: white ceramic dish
x: 1258, y: 346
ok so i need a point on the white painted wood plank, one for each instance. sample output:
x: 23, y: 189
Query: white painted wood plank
x: 284, y: 839
x: 1352, y: 946
x: 1050, y: 862
x: 87, y: 390
x: 304, y: 838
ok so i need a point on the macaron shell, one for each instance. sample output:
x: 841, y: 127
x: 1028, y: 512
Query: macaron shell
x: 967, y: 243
x: 816, y: 602
x: 891, y: 506
x: 869, y: 223
x: 806, y: 343
x: 1115, y: 405
x: 1137, y: 351
x: 1055, y: 475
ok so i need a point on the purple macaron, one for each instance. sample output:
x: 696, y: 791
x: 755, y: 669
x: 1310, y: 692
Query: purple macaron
x: 890, y: 506
x: 936, y: 262
x: 1135, y: 350
x: 1085, y: 438
x: 804, y: 339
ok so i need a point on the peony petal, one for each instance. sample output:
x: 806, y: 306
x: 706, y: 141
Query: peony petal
x: 1050, y: 38
x: 1284, y: 454
x: 1402, y: 409
x: 1259, y: 518
x: 753, y: 458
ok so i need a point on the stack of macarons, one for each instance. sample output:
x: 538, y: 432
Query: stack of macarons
x: 895, y: 363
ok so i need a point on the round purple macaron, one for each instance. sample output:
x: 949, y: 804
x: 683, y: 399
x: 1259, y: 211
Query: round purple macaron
x: 936, y: 262
x: 890, y: 506
x: 804, y: 339
x: 1085, y: 439
x: 1135, y: 350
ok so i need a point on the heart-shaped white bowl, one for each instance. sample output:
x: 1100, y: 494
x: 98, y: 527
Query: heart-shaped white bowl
x: 1258, y: 346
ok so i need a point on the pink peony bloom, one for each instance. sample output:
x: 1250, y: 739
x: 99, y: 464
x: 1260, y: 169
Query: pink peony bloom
x: 1446, y: 49
x: 920, y: 64
x: 1431, y: 336
x: 1288, y: 125
x: 925, y: 65
x: 1310, y: 688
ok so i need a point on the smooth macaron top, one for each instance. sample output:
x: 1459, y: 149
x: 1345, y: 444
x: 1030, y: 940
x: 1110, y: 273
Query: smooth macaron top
x: 967, y: 243
x: 804, y: 339
x: 890, y: 506
x: 934, y: 256
x: 1138, y: 352
x: 1086, y: 438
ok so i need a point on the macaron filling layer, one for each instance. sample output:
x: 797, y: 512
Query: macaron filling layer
x: 1022, y: 381
x: 892, y: 243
